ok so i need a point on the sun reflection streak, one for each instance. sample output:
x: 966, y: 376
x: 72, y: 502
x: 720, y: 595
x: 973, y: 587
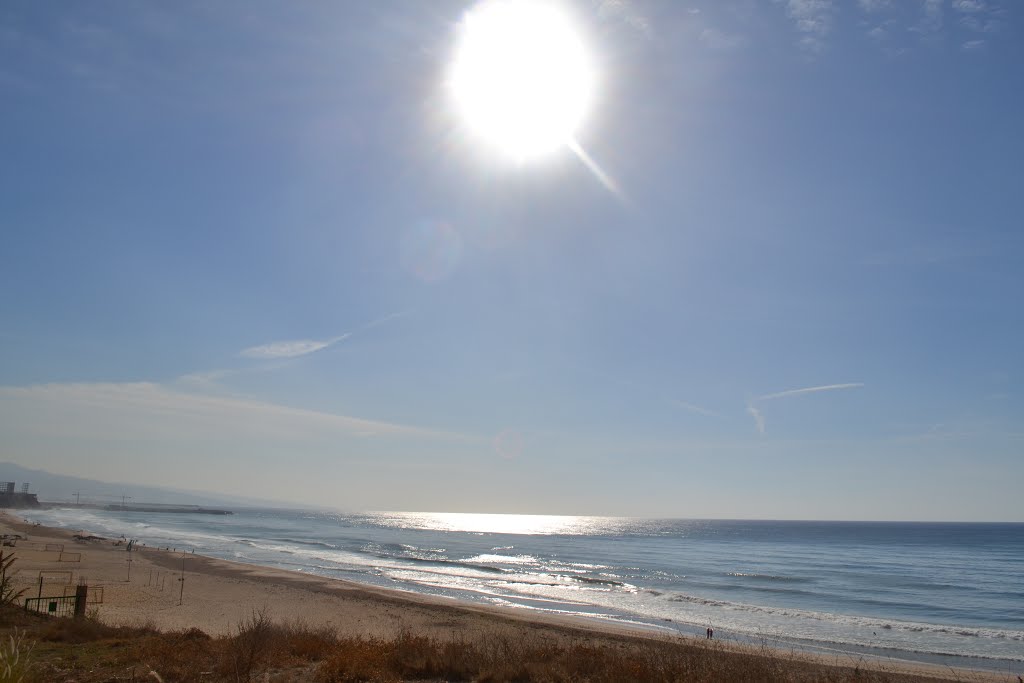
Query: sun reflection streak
x: 599, y: 173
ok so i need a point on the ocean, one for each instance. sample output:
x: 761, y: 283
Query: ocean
x: 948, y: 593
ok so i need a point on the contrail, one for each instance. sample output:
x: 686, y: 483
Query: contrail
x: 759, y: 417
x: 810, y: 390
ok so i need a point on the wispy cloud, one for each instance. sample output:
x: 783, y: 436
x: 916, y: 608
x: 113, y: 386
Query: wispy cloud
x: 969, y: 6
x: 874, y: 5
x: 206, y: 379
x: 931, y: 19
x: 384, y: 319
x: 212, y: 380
x: 302, y: 347
x: 624, y: 11
x: 892, y: 25
x: 881, y: 31
x: 291, y: 349
x: 813, y: 20
x: 810, y: 390
x: 758, y: 417
x: 755, y: 411
x: 719, y: 40
x: 152, y: 411
x: 693, y: 408
x: 977, y: 16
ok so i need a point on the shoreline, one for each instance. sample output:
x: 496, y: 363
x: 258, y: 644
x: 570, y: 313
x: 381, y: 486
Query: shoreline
x: 218, y: 594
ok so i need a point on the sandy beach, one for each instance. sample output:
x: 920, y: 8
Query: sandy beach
x: 216, y: 595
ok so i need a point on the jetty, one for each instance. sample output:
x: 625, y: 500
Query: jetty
x: 140, y: 507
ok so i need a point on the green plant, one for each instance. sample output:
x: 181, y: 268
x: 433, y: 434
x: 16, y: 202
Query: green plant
x: 14, y: 658
x: 8, y: 593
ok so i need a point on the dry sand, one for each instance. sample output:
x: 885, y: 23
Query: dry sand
x: 216, y: 595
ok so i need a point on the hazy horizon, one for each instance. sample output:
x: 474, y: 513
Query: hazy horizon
x: 50, y: 493
x: 722, y: 260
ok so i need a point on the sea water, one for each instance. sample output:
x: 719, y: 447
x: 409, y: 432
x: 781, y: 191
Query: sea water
x: 949, y: 593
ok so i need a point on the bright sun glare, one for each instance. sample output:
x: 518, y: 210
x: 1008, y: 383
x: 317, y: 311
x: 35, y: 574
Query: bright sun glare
x: 521, y: 77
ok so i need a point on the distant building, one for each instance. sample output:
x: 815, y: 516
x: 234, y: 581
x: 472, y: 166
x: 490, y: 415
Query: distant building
x: 11, y: 498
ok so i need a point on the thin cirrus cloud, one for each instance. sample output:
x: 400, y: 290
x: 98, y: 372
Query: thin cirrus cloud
x: 758, y: 416
x: 147, y: 411
x: 291, y: 349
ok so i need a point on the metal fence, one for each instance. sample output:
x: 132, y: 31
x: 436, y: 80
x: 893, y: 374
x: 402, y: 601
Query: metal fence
x: 60, y: 605
x: 57, y: 606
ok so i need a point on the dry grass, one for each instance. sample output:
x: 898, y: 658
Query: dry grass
x: 89, y: 651
x: 500, y: 659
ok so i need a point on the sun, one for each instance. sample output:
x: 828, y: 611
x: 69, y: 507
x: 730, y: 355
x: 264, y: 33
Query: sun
x: 521, y: 77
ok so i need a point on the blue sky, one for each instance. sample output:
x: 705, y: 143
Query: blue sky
x: 250, y: 248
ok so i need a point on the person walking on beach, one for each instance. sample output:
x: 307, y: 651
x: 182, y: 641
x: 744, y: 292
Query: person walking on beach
x: 710, y: 633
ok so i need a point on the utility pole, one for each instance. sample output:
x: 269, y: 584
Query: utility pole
x: 181, y: 593
x: 76, y: 498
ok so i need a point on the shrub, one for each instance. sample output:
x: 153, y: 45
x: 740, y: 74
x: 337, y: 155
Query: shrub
x: 300, y: 641
x: 247, y: 650
x: 356, y: 660
x: 8, y: 593
x: 14, y: 658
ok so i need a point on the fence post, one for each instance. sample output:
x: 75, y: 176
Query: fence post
x: 81, y: 598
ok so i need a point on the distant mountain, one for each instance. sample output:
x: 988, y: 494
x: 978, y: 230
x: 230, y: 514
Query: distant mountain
x: 59, y: 488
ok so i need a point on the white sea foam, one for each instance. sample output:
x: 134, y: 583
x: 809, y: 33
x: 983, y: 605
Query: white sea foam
x: 503, y: 559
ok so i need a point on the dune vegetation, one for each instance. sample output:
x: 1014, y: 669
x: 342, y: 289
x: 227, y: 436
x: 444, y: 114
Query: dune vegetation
x: 39, y: 649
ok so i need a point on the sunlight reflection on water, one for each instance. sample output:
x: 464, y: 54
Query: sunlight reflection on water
x: 502, y: 523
